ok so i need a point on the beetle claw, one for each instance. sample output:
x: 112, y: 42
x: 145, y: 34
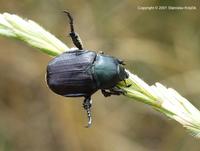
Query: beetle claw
x: 87, y: 104
x: 89, y: 120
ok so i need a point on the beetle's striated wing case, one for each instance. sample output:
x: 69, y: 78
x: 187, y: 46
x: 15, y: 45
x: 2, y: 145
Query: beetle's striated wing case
x: 70, y: 74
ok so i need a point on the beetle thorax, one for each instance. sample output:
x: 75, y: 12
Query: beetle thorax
x: 107, y: 71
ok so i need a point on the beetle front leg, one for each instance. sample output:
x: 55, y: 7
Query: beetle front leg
x: 87, y: 104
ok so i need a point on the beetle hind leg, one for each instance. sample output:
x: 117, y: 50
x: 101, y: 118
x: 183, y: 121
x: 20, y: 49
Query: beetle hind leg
x: 74, y: 36
x: 87, y: 104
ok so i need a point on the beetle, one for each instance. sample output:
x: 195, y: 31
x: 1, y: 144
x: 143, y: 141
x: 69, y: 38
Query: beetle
x: 80, y: 73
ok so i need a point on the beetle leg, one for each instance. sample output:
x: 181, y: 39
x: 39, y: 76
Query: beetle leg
x: 74, y: 36
x: 105, y: 93
x: 87, y: 104
x: 112, y: 91
x: 117, y: 91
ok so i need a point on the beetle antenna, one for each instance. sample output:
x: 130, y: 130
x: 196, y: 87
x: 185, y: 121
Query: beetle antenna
x: 87, y: 104
x: 74, y: 36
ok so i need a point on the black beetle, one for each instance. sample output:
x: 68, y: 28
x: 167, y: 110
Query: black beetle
x: 80, y: 73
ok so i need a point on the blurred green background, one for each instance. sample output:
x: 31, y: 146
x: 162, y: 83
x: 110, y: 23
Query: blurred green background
x: 157, y: 45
